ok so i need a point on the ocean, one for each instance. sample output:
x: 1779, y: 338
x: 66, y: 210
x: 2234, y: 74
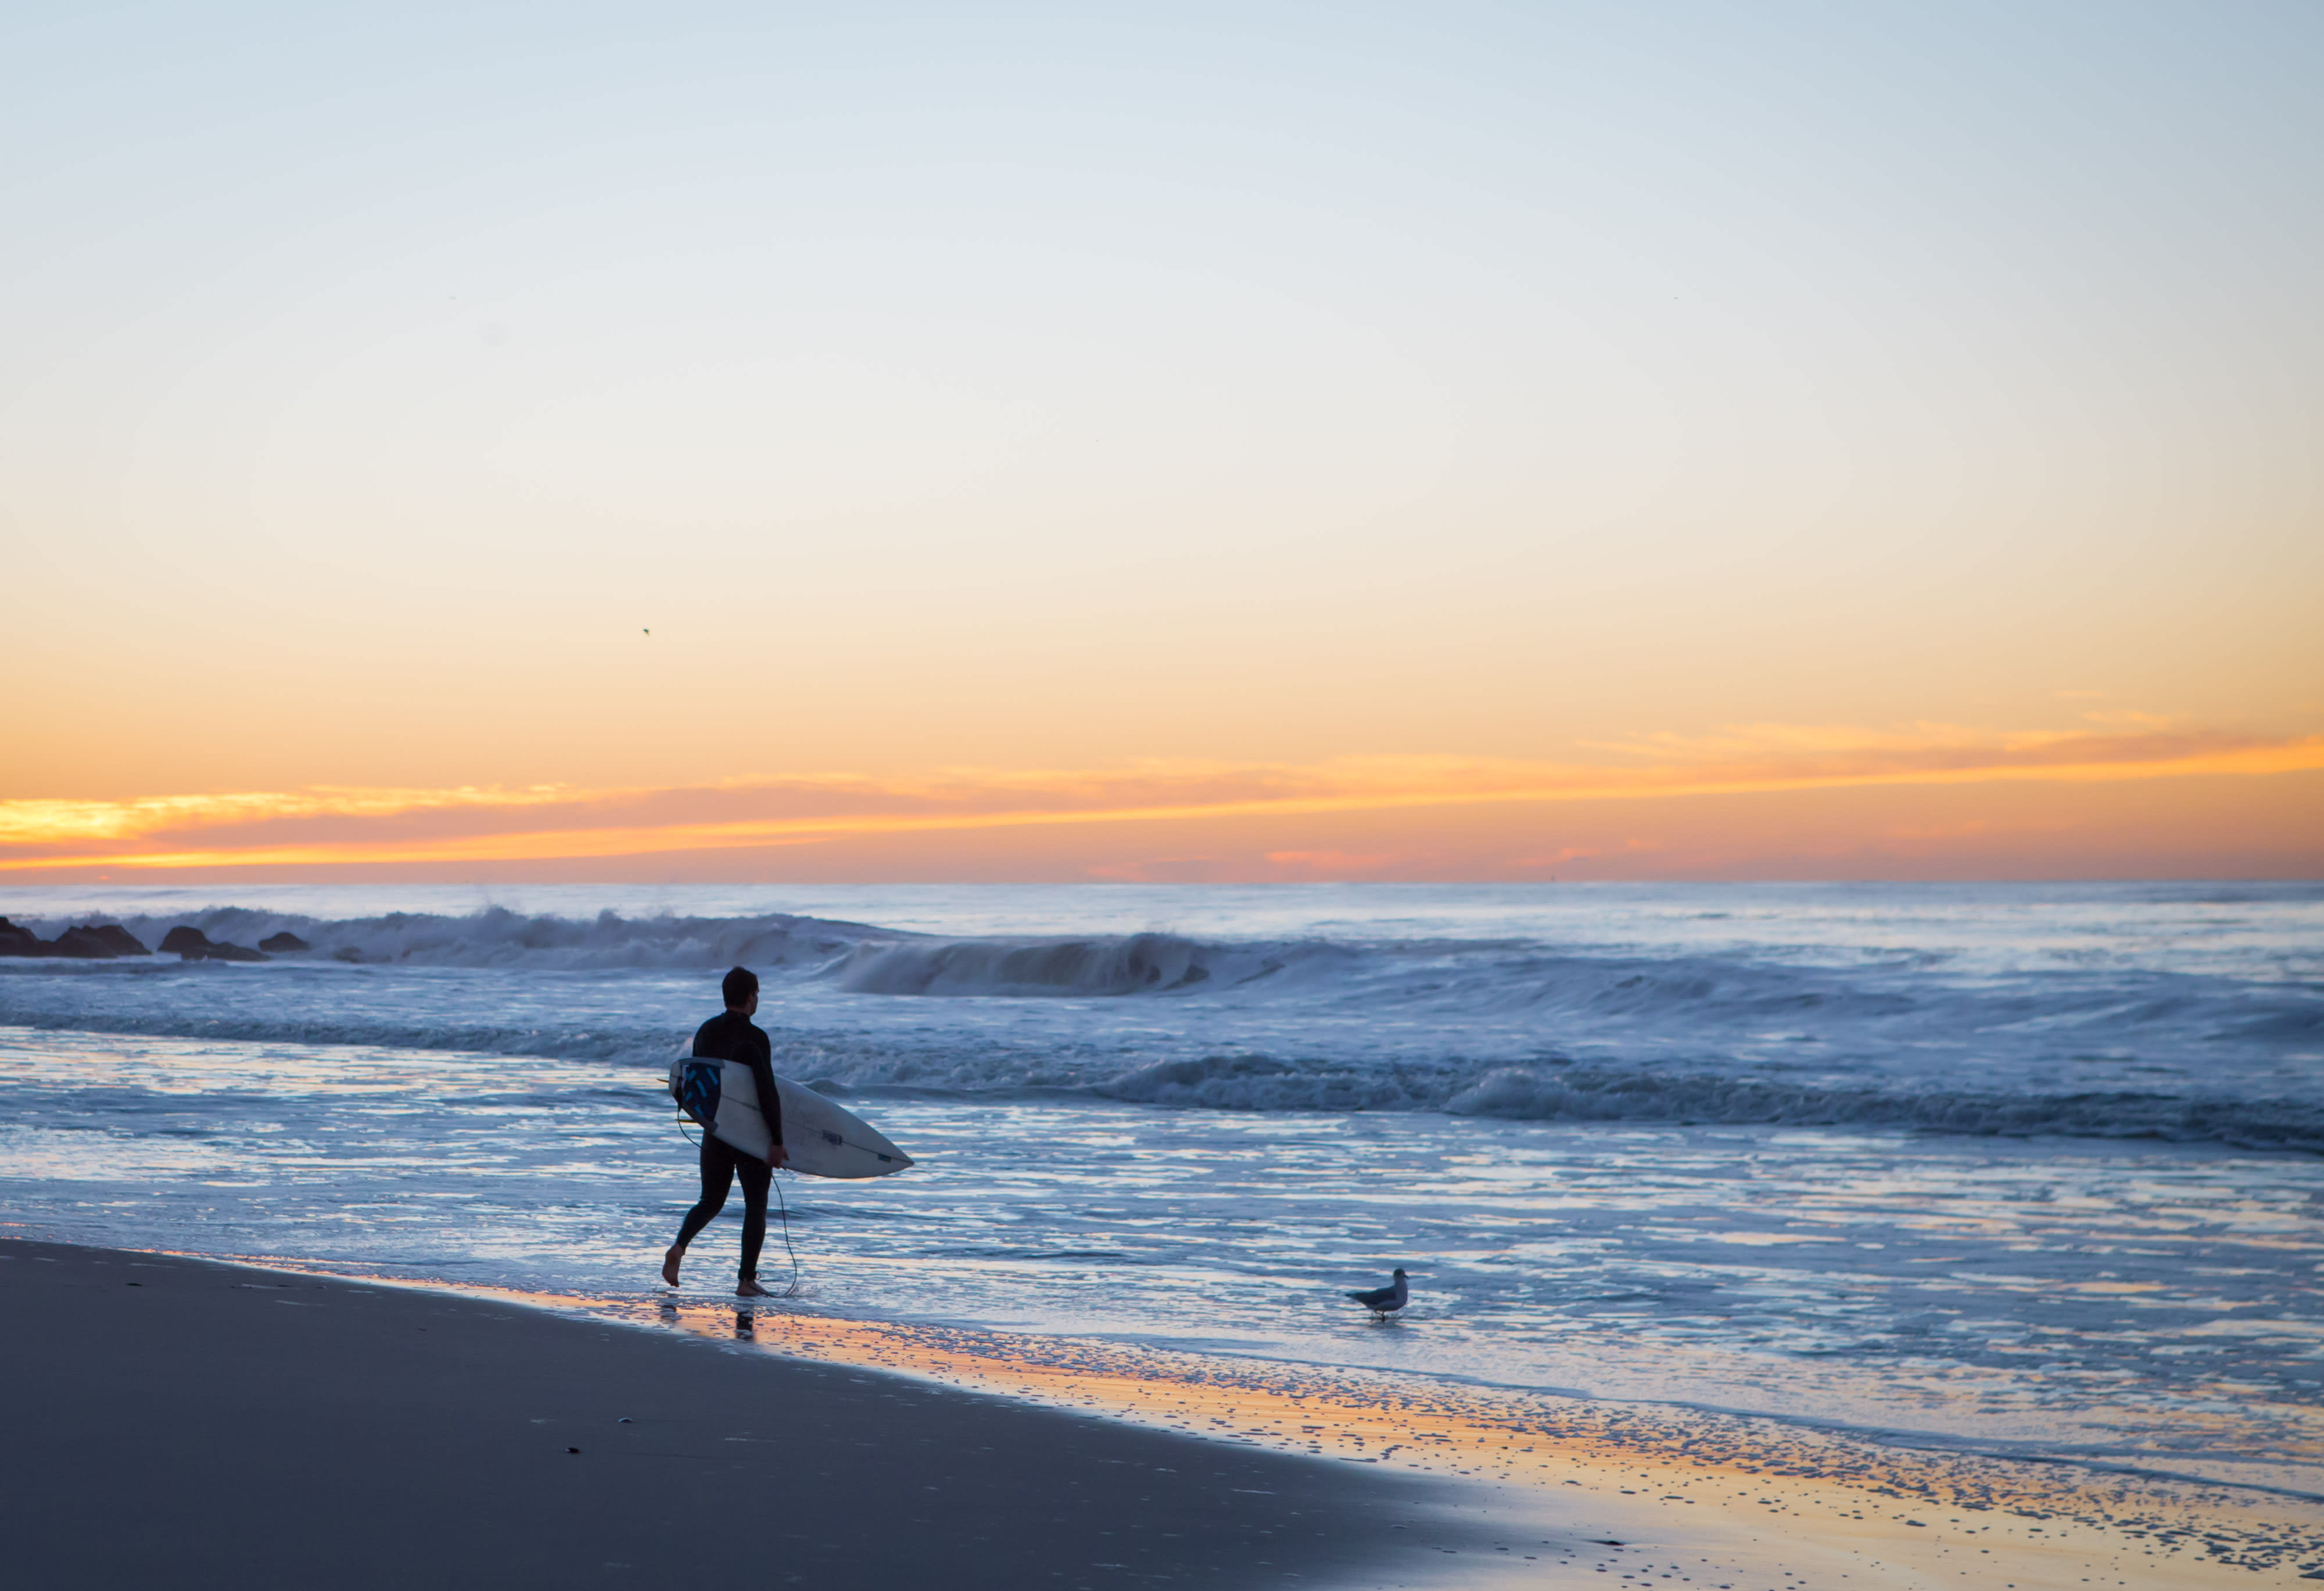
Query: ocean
x: 2031, y: 1170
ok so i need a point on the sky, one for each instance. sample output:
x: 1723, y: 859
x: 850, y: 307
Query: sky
x: 1192, y: 443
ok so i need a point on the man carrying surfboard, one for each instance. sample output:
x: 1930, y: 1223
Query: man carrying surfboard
x: 733, y: 1037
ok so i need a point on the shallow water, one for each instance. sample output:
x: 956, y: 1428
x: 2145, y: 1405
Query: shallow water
x: 1678, y: 1226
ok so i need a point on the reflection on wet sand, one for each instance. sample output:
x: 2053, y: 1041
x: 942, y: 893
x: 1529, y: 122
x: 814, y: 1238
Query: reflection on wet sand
x: 1727, y: 1494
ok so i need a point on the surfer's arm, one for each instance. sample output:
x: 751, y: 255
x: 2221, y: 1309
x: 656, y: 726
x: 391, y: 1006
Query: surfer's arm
x: 771, y: 1098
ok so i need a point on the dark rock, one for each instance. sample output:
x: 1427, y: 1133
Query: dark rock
x: 20, y: 942
x: 284, y: 944
x: 121, y: 940
x: 191, y: 943
x: 80, y: 945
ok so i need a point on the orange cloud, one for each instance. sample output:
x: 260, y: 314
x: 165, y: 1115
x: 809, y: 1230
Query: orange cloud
x: 45, y: 822
x: 323, y: 827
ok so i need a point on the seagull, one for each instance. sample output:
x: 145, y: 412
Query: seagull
x: 1384, y: 1302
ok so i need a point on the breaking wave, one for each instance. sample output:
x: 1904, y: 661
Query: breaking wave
x: 1516, y: 1028
x: 499, y: 938
x: 1610, y: 1093
x: 1703, y: 1099
x: 1251, y: 1082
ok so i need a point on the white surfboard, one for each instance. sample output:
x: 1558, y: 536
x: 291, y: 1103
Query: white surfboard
x: 821, y: 1138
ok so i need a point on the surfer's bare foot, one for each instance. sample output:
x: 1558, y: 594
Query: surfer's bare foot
x: 670, y: 1265
x: 748, y: 1289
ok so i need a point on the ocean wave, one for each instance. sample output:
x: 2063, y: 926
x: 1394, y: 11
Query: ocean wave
x: 499, y: 938
x: 1519, y: 1094
x: 1135, y: 964
x: 640, y: 1046
x: 1099, y: 966
x: 1518, y: 1028
x: 858, y: 957
x: 1583, y: 990
x: 1710, y: 1098
x: 1547, y: 1093
x: 1518, y: 999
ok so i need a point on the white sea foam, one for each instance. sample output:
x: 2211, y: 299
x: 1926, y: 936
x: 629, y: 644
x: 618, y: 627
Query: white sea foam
x: 498, y: 938
x: 2043, y: 1297
x: 2092, y: 1023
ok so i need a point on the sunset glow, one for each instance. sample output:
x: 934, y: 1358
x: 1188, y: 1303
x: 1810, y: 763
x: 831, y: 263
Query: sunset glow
x: 1438, y: 797
x: 1582, y: 439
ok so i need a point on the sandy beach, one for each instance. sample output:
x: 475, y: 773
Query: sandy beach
x: 179, y: 1422
x: 189, y: 1422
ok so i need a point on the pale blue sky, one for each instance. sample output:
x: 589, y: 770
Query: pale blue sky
x: 1052, y: 384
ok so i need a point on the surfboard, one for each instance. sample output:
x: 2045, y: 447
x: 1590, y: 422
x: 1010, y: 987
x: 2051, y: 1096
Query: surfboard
x: 821, y: 1137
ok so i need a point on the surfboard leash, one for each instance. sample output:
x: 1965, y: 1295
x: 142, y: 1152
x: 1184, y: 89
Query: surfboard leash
x: 784, y: 1205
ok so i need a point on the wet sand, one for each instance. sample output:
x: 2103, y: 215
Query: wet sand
x: 1730, y: 1502
x: 192, y: 1424
x: 184, y: 1423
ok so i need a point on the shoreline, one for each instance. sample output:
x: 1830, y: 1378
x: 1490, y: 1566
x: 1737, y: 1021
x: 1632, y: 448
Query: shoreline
x: 1580, y: 1486
x: 1911, y: 1515
x: 199, y: 1432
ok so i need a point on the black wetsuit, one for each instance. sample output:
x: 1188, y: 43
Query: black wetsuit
x: 731, y: 1036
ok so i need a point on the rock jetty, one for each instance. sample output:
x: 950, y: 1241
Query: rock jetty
x: 95, y: 942
x: 191, y: 944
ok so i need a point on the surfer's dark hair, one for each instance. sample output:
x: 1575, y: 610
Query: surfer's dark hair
x: 740, y: 985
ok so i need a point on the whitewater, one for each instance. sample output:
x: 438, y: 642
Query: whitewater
x: 2033, y: 1169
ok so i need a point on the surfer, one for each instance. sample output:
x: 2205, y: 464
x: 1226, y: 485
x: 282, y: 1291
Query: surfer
x: 733, y: 1036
